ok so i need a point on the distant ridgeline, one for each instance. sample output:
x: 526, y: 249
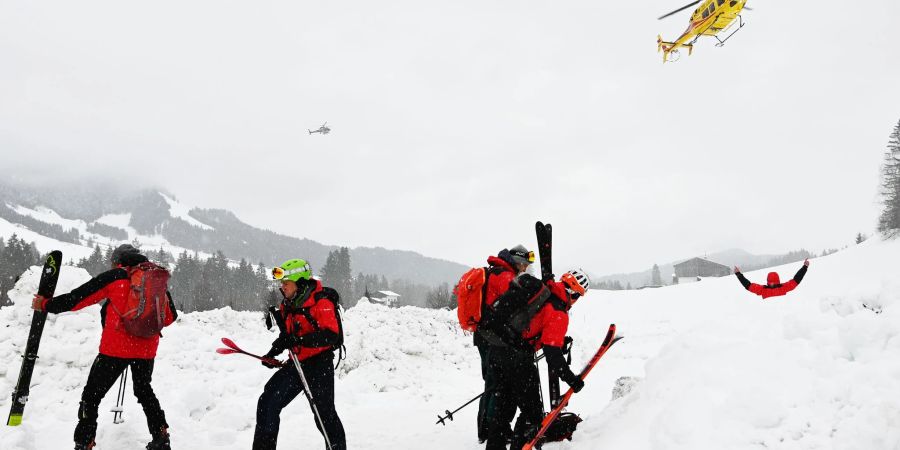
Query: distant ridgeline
x: 662, y: 275
x: 98, y: 217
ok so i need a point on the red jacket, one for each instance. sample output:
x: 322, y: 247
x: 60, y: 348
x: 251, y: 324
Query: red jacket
x: 500, y: 275
x: 114, y: 286
x: 550, y: 324
x: 318, y: 337
x: 773, y: 287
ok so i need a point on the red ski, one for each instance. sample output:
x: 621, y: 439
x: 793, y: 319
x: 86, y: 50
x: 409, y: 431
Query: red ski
x: 233, y: 348
x: 549, y: 418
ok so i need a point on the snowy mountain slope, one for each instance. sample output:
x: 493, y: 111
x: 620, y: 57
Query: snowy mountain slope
x: 43, y: 243
x: 720, y: 369
x: 157, y: 219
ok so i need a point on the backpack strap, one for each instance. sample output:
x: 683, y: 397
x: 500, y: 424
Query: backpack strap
x: 342, y: 349
x: 309, y: 318
x: 484, y: 291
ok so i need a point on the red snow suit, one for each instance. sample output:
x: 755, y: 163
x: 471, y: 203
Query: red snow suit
x: 114, y: 286
x: 550, y: 324
x: 501, y: 274
x: 773, y: 288
x: 316, y: 338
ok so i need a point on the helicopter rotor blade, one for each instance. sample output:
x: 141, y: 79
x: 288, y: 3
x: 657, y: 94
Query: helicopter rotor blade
x: 747, y: 8
x: 678, y: 10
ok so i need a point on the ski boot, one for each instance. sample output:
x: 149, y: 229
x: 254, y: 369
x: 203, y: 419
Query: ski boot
x: 82, y: 446
x: 160, y: 441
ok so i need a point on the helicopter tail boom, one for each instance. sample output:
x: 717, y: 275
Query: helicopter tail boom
x: 670, y: 47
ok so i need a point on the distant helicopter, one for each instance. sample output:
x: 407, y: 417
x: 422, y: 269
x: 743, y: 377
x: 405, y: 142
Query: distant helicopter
x: 709, y: 19
x: 323, y: 129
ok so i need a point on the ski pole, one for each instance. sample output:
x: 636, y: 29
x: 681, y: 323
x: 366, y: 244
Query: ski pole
x: 309, y: 397
x: 120, y: 399
x: 449, y: 414
x: 233, y: 348
x: 306, y: 391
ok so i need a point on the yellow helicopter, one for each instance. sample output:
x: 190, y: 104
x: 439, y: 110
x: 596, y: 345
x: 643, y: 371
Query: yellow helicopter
x: 710, y: 18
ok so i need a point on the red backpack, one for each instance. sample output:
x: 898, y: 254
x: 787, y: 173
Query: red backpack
x: 147, y: 309
x: 470, y: 294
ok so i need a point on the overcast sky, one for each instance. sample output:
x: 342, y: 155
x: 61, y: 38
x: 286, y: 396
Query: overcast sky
x: 457, y: 124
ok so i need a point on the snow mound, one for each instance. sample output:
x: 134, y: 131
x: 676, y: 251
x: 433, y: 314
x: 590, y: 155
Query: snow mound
x: 819, y: 368
x: 708, y: 366
x: 398, y: 361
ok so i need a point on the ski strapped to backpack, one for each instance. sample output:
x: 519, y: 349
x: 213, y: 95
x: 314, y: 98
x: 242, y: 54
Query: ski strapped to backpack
x: 147, y: 309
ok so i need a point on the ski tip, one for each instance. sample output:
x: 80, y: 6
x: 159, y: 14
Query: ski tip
x: 14, y: 420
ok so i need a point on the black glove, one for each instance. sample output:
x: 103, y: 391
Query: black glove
x: 284, y: 342
x: 271, y: 363
x: 577, y: 384
x: 275, y: 351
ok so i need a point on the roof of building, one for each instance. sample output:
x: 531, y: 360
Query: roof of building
x: 704, y: 260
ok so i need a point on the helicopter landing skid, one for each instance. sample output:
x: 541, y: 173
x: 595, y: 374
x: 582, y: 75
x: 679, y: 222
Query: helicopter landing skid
x: 721, y: 42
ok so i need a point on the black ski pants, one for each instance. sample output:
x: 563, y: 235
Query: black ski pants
x: 487, y: 405
x: 104, y: 373
x: 518, y: 387
x: 284, y: 386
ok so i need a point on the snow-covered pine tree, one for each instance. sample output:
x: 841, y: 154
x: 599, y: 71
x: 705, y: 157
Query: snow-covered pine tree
x: 890, y: 184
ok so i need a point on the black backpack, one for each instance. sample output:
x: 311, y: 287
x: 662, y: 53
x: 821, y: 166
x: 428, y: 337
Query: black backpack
x: 504, y: 322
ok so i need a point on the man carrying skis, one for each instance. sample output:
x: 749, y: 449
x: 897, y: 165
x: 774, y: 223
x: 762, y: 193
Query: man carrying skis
x: 311, y: 331
x: 518, y: 384
x: 502, y: 270
x: 773, y: 287
x: 118, y: 348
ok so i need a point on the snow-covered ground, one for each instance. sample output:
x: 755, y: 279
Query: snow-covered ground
x: 719, y: 369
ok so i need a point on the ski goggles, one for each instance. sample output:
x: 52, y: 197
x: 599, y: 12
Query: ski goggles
x: 524, y: 256
x: 278, y: 273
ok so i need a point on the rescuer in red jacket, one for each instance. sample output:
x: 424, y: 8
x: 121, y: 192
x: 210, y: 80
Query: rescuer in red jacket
x: 773, y: 287
x: 311, y: 330
x: 118, y: 348
x: 502, y: 270
x: 518, y: 383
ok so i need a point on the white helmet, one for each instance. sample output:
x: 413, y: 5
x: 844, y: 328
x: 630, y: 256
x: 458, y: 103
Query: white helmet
x: 576, y: 281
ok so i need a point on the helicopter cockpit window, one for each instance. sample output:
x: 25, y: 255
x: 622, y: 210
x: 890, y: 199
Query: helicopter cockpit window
x: 721, y: 2
x: 712, y: 7
x: 705, y: 13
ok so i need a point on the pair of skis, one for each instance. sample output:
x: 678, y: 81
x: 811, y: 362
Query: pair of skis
x: 46, y: 288
x: 544, y: 234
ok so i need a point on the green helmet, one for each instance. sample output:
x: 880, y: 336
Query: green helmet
x: 292, y: 269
